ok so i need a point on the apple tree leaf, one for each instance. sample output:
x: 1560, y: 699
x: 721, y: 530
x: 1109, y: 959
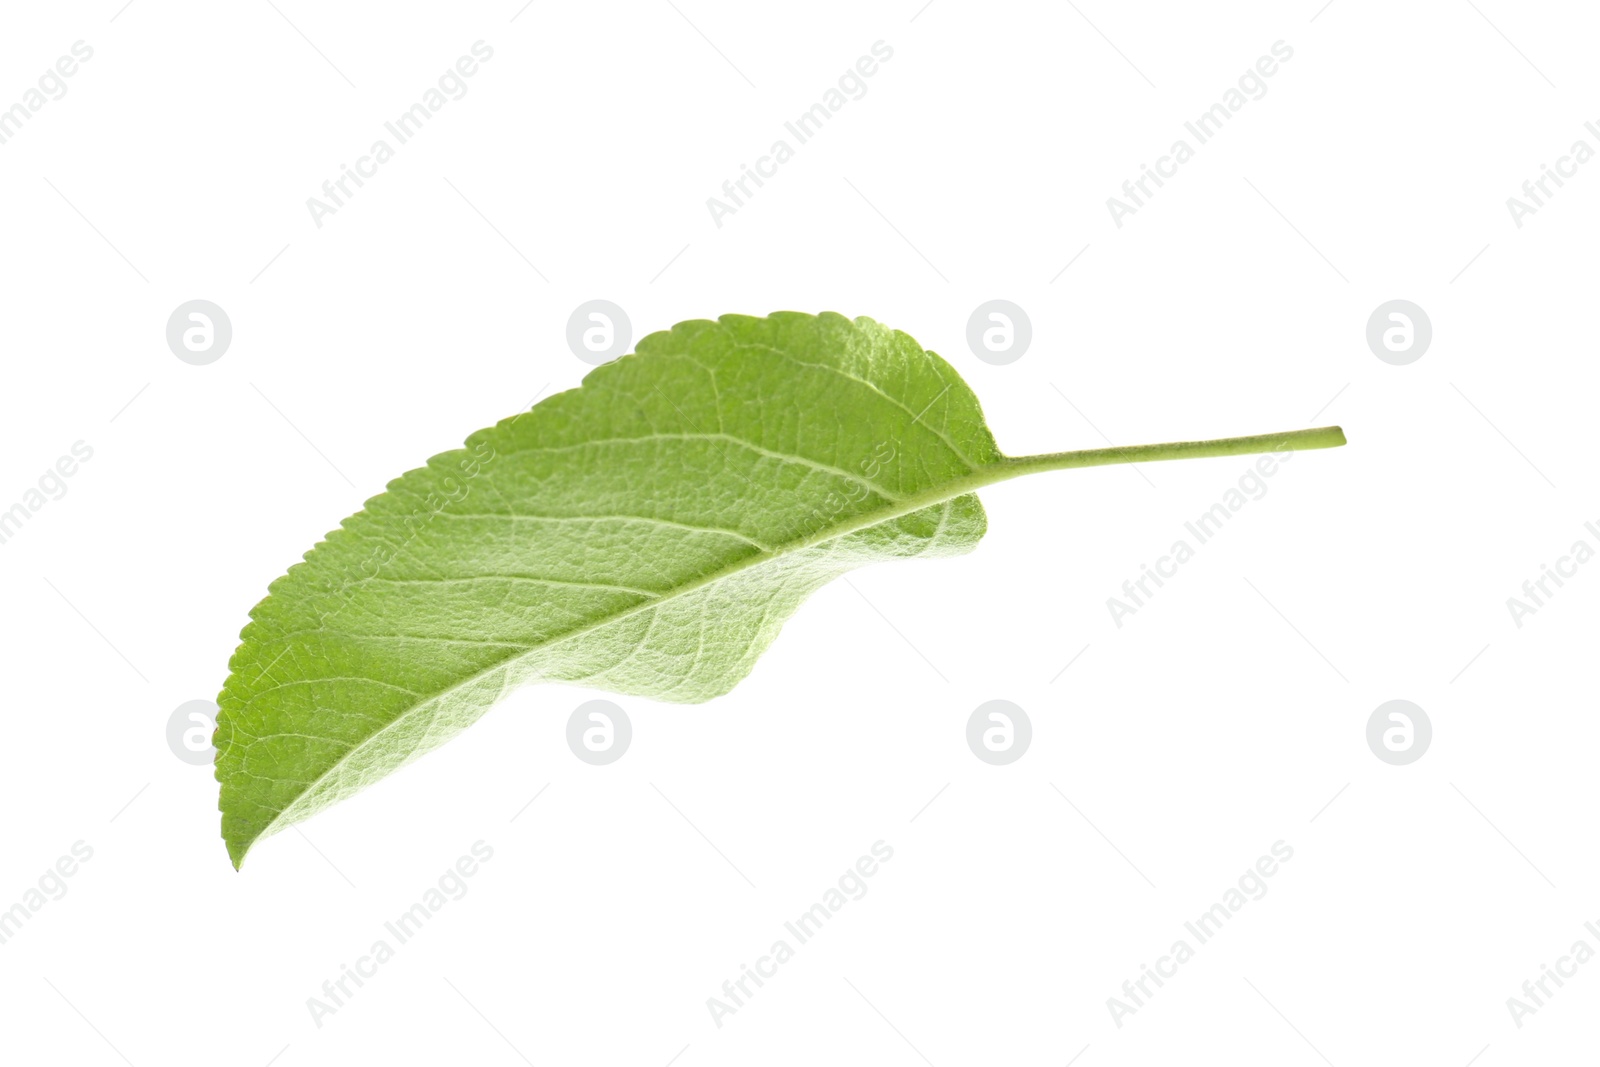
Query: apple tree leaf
x: 647, y: 533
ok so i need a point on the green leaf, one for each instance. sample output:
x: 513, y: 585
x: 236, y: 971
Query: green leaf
x: 647, y: 533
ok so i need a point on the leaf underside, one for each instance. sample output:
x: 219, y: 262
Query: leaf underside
x: 647, y: 533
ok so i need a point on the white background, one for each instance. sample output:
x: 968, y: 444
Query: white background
x: 1223, y: 717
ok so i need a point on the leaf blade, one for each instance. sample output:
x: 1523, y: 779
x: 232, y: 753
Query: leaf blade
x: 677, y: 549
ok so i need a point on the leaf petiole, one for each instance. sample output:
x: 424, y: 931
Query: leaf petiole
x: 1289, y: 440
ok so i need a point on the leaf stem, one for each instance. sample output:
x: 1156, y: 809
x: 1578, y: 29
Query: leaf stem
x: 1289, y: 440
